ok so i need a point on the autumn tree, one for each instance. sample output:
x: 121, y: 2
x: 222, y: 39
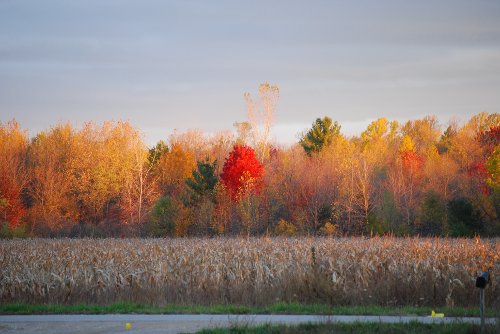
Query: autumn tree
x: 423, y: 132
x: 140, y: 188
x: 14, y: 176
x: 320, y: 135
x: 440, y: 173
x: 242, y: 172
x: 106, y: 159
x: 242, y: 176
x: 51, y: 157
x: 408, y: 168
x: 174, y: 168
x: 192, y: 141
x: 317, y: 181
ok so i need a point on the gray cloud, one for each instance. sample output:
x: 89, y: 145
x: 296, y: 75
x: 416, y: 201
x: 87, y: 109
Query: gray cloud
x: 186, y: 64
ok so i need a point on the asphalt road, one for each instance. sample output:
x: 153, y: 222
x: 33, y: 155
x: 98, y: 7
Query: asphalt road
x: 185, y: 323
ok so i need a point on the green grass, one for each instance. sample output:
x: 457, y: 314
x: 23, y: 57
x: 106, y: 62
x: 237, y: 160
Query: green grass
x: 279, y: 308
x: 362, y: 328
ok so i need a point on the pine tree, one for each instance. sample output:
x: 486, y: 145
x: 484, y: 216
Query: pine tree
x: 320, y: 135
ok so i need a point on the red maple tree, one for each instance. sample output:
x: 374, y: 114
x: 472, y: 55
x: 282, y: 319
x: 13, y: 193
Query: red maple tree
x: 242, y: 172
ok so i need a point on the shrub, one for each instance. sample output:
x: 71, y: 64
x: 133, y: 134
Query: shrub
x: 285, y: 228
x: 432, y: 215
x: 7, y: 232
x: 328, y: 229
x: 163, y: 218
x: 463, y: 218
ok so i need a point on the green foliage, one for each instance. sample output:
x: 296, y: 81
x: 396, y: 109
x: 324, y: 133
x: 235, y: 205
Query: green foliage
x: 163, y: 218
x: 320, y: 135
x: 493, y: 167
x: 463, y: 219
x: 432, y: 216
x: 7, y: 232
x: 376, y: 225
x: 204, y: 180
x: 390, y: 214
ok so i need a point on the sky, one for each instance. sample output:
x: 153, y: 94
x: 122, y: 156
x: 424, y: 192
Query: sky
x: 165, y: 65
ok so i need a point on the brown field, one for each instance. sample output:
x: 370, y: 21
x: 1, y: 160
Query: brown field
x: 338, y: 271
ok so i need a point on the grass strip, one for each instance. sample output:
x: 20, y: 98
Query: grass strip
x: 278, y: 308
x: 361, y: 328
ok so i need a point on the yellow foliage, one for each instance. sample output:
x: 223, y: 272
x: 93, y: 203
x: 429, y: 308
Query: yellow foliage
x: 329, y: 229
x: 285, y: 228
x: 176, y: 166
x: 407, y: 144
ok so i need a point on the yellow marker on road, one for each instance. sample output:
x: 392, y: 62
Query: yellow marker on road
x: 437, y: 315
x: 128, y: 325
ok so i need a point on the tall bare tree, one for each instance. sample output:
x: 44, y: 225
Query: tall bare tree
x: 261, y: 116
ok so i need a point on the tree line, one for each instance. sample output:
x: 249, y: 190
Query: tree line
x: 102, y: 180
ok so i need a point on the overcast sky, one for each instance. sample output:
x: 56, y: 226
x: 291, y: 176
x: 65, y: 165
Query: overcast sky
x: 185, y: 64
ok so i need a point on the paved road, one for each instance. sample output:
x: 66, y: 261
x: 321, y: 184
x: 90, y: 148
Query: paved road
x: 185, y: 323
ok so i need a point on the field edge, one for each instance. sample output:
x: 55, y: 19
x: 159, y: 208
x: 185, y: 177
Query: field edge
x: 277, y: 308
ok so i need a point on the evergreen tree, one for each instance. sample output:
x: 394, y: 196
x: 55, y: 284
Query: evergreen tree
x: 320, y: 135
x: 204, y: 180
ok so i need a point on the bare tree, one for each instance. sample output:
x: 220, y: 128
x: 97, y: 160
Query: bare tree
x: 261, y: 115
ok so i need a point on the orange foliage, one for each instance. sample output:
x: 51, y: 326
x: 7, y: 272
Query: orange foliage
x: 13, y: 173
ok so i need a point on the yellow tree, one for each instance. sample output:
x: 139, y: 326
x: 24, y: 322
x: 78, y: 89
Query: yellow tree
x: 174, y: 168
x: 440, y: 173
x: 51, y: 156
x: 373, y: 152
x: 106, y: 157
x: 405, y: 178
x: 423, y: 132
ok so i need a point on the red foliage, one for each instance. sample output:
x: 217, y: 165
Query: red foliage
x: 479, y: 173
x: 412, y: 162
x: 242, y: 171
x: 490, y: 139
x: 13, y: 209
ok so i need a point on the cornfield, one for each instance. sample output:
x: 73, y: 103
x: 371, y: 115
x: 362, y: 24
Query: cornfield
x: 338, y: 271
